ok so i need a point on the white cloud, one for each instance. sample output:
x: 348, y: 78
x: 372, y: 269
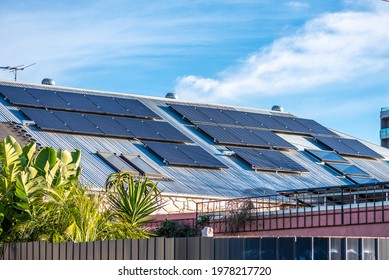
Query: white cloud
x: 333, y: 48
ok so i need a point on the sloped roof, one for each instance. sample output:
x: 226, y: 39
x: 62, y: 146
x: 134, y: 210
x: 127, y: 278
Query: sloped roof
x: 235, y: 176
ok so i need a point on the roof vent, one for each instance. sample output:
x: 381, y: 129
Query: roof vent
x: 48, y: 81
x: 277, y: 108
x: 171, y: 95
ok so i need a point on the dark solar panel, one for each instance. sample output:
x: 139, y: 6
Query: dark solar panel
x: 268, y: 121
x: 291, y: 124
x: 139, y: 128
x: 244, y: 119
x: 108, y: 105
x: 337, y: 145
x: 220, y: 134
x: 348, y: 169
x: 327, y: 156
x: 348, y: 146
x: 273, y: 139
x: 315, y: 127
x: 45, y: 119
x: 217, y: 116
x: 184, y: 155
x: 201, y: 157
x: 268, y: 160
x: 142, y: 166
x: 117, y: 163
x: 191, y: 113
x: 49, y: 99
x: 136, y: 108
x: 167, y: 131
x: 108, y: 125
x: 79, y: 102
x: 77, y: 122
x: 244, y: 136
x: 361, y: 148
x: 19, y: 96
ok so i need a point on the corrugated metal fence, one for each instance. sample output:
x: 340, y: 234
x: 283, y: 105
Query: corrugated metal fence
x: 200, y: 248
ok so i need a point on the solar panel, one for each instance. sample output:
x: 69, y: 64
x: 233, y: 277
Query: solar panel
x: 327, y: 156
x: 79, y: 102
x: 348, y: 169
x: 217, y: 116
x: 117, y: 163
x: 291, y: 124
x: 19, y: 96
x: 77, y: 122
x: 139, y: 128
x: 191, y: 113
x: 136, y: 108
x: 315, y: 127
x: 362, y: 180
x: 143, y: 167
x: 348, y: 147
x: 244, y: 119
x: 167, y: 131
x: 220, y: 134
x: 48, y: 99
x: 108, y: 125
x: 267, y: 160
x: 268, y: 121
x: 361, y: 148
x: 273, y: 139
x: 184, y: 155
x: 108, y: 105
x: 45, y: 119
x: 244, y: 136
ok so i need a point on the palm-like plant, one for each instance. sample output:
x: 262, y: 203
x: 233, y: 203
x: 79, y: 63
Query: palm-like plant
x: 133, y: 201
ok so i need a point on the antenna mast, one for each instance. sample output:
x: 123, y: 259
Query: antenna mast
x: 15, y: 69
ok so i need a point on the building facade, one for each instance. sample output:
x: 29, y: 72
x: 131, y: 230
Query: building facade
x: 384, y: 132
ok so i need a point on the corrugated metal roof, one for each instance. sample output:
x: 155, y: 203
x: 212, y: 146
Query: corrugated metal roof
x: 236, y: 181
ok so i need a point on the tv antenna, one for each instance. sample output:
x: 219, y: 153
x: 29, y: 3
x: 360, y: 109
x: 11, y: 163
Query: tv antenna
x: 15, y: 69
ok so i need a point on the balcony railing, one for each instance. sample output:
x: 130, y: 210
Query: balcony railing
x: 384, y: 133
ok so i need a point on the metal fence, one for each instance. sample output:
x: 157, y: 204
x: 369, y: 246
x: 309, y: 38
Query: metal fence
x: 205, y: 248
x: 324, y: 207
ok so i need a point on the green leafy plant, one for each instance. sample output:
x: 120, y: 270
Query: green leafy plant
x: 132, y: 201
x: 203, y: 220
x: 26, y: 179
x: 175, y: 229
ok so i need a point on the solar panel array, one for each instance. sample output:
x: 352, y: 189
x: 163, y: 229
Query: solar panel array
x: 346, y: 146
x: 90, y: 114
x: 183, y: 155
x: 91, y: 124
x: 267, y: 160
x: 77, y: 102
x: 227, y: 117
x: 342, y: 166
x: 245, y: 137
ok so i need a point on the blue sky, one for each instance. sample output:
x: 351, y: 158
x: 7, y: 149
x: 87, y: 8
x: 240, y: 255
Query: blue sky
x: 325, y: 60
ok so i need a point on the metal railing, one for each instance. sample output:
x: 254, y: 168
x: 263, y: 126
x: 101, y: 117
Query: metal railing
x: 324, y: 207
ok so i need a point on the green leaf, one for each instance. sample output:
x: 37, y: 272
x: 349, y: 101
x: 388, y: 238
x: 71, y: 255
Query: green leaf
x: 28, y: 152
x: 45, y: 159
